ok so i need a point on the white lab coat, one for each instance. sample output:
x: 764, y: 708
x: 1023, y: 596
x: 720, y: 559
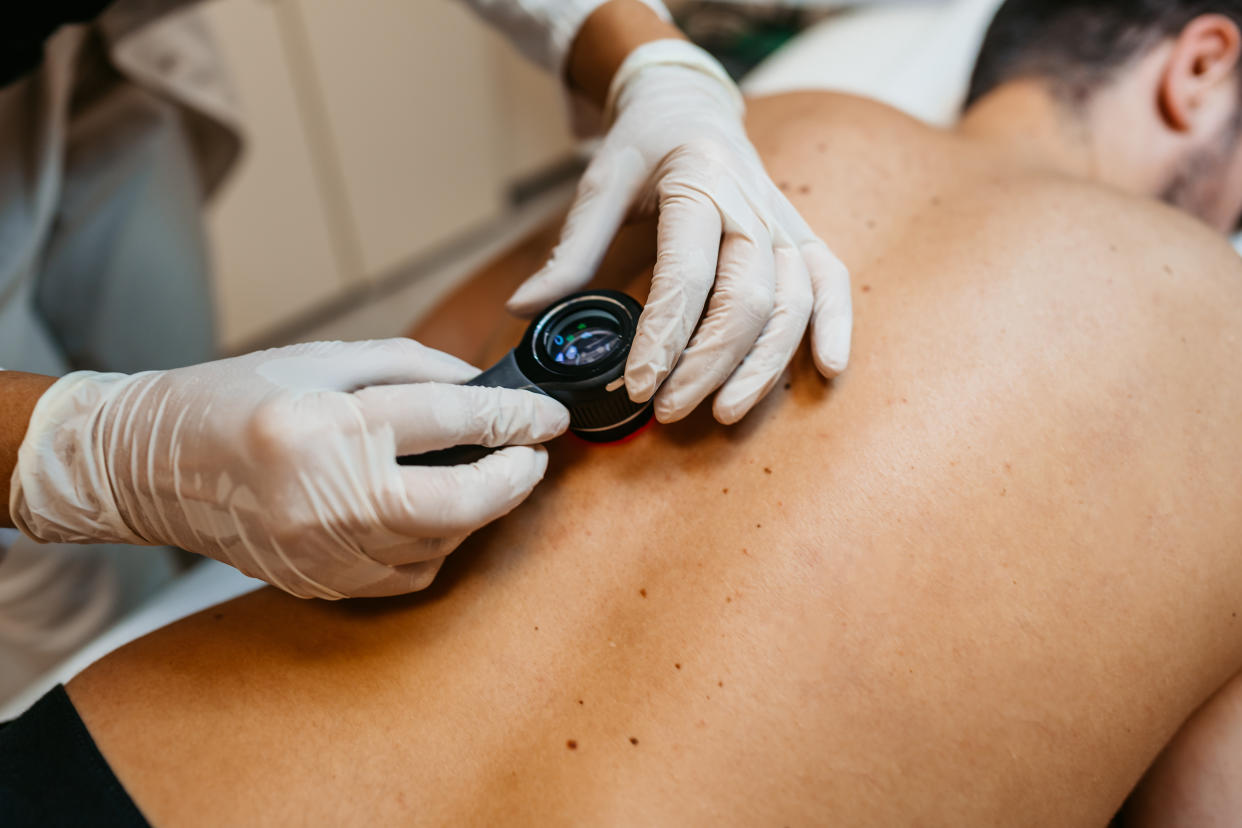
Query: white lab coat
x: 162, y: 51
x: 106, y: 154
x: 85, y: 283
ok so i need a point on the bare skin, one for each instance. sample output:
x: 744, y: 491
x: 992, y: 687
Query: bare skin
x: 1195, y: 780
x: 606, y: 38
x: 981, y: 579
x: 19, y: 393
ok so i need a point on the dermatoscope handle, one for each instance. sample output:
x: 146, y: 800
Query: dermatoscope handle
x: 504, y: 374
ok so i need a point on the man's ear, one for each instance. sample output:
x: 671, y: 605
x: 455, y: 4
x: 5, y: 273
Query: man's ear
x: 1203, y: 62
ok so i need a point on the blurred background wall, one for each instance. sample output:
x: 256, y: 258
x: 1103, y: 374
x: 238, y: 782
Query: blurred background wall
x: 380, y: 133
x: 392, y: 147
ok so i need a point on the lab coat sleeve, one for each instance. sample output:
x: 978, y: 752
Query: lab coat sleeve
x: 544, y: 30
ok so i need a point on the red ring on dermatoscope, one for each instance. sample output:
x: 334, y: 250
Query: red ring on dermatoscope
x: 642, y: 429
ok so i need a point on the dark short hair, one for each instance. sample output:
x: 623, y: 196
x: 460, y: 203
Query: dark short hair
x: 1078, y: 45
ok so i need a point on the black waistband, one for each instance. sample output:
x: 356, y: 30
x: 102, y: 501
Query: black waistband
x: 23, y: 31
x: 52, y: 774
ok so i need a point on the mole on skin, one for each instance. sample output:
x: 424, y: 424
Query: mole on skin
x: 572, y: 744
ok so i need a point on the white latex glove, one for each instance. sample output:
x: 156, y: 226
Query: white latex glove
x: 728, y: 240
x: 283, y: 462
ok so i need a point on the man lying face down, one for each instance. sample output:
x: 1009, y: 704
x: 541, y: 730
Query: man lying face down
x: 1131, y: 83
x: 983, y: 578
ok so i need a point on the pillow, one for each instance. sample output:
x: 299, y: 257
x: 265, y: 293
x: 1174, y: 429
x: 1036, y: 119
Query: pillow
x: 915, y: 56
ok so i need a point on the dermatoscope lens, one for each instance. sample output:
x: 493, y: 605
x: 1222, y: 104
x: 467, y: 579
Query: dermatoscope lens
x: 583, y: 338
x: 575, y: 353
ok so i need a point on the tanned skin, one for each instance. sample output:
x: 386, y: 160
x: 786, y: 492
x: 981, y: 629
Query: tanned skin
x: 980, y: 579
x: 19, y: 393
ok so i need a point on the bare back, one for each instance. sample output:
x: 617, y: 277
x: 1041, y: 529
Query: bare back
x: 980, y: 579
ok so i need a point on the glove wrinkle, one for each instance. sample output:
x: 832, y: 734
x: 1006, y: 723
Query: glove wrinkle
x: 675, y: 115
x: 610, y: 184
x: 295, y: 480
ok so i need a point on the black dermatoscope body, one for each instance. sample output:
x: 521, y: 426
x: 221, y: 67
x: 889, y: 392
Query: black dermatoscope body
x: 575, y: 352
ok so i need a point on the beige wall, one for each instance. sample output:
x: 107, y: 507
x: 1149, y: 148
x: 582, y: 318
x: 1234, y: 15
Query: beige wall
x: 378, y: 130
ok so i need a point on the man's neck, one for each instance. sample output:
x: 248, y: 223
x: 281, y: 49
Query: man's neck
x: 1025, y: 122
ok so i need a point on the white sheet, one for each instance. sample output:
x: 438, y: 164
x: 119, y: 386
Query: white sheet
x: 915, y: 56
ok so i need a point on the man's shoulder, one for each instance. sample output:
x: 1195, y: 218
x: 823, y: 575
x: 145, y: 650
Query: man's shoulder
x: 813, y: 116
x: 1124, y: 284
x: 1094, y: 233
x: 1143, y: 241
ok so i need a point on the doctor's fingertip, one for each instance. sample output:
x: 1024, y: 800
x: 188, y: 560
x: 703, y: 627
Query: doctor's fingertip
x: 831, y: 342
x: 531, y: 297
x: 833, y: 358
x: 670, y: 407
x: 729, y: 407
x: 552, y: 282
x: 641, y: 382
x: 519, y: 306
x: 552, y: 419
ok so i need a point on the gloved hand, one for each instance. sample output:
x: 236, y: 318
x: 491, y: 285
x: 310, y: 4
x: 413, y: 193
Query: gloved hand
x: 677, y: 143
x: 283, y: 462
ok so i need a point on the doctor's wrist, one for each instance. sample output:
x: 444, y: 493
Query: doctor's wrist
x: 19, y: 393
x: 606, y: 39
x: 61, y: 489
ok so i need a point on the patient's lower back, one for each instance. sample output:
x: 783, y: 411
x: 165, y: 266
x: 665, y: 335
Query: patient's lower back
x: 979, y: 579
